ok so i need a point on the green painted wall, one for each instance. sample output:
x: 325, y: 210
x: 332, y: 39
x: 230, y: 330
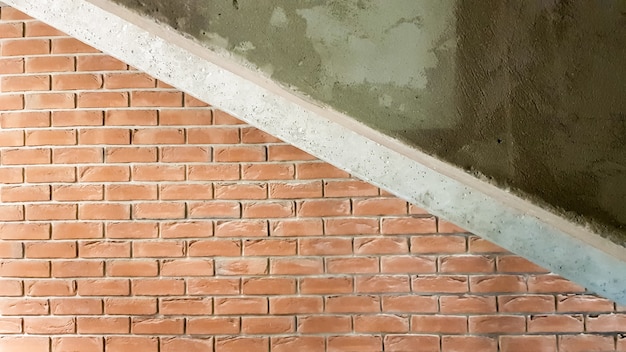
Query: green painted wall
x: 530, y: 95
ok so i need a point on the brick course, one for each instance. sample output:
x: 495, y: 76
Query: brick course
x: 135, y: 217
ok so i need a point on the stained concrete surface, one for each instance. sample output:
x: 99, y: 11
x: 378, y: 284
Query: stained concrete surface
x: 528, y: 94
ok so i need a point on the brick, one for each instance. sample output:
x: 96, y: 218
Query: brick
x: 49, y: 325
x: 352, y: 304
x: 158, y: 249
x: 241, y: 228
x: 252, y: 135
x: 497, y: 324
x: 401, y: 343
x: 75, y: 306
x: 552, y: 323
x: 408, y: 265
x: 71, y: 46
x: 161, y: 210
x: 552, y: 283
x: 76, y: 230
x: 135, y: 117
x: 210, y: 248
x: 213, y: 326
x: 442, y: 284
x: 10, y: 325
x: 353, y: 226
x: 380, y: 245
x: 186, y: 306
x: 325, y: 246
x: 269, y: 247
x: 132, y: 230
x: 287, y: 153
x: 238, y: 154
x: 382, y: 283
x: 498, y: 283
x: 25, y: 156
x: 297, y: 343
x: 479, y: 245
x: 108, y: 173
x: 193, y: 102
x: 131, y: 343
x: 583, y: 303
x: 526, y: 303
x: 406, y: 225
x: 82, y: 343
x: 362, y: 343
x: 527, y: 343
x: 40, y: 29
x: 415, y: 210
x: 55, y: 249
x: 466, y: 264
x: 11, y: 213
x: 121, y: 80
x: 585, y: 343
x: 132, y: 268
x: 76, y: 155
x: 318, y: 170
x: 106, y: 136
x: 446, y: 244
x: 264, y: 210
x: 291, y: 190
x: 185, y: 154
x: 467, y: 304
x: 11, y: 138
x: 186, y: 267
x: 379, y: 206
x: 213, y: 286
x: 185, y: 192
x: 213, y: 135
x: 102, y: 325
x: 175, y: 344
x: 24, y: 83
x: 223, y: 118
x: 515, y: 264
x: 11, y: 175
x: 189, y: 117
x: 102, y: 99
x: 13, y: 14
x: 24, y: 231
x: 131, y: 154
x: 50, y: 211
x: 157, y: 326
x: 236, y: 344
x: 99, y: 63
x: 11, y: 65
x: 50, y: 137
x: 132, y: 306
x: 238, y: 191
x: 24, y: 306
x: 324, y: 324
x: 24, y: 343
x: 381, y: 323
x: 24, y: 119
x: 409, y: 303
x: 130, y: 192
x: 296, y: 227
x: 49, y: 288
x: 158, y: 287
x: 158, y: 173
x: 323, y: 208
x: 24, y: 268
x: 606, y: 323
x: 158, y: 136
x: 469, y: 343
x: 295, y: 305
x: 104, y: 287
x: 243, y: 266
x: 215, y: 172
x: 298, y: 266
x: 352, y: 265
x: 49, y: 174
x: 156, y: 98
x: 49, y: 64
x: 349, y: 188
x: 104, y: 249
x: 77, y: 268
x: 187, y: 229
x: 11, y: 102
x: 104, y: 211
x: 23, y: 47
x: 11, y: 30
x: 11, y: 250
x: 76, y: 81
x: 10, y: 288
x: 267, y: 325
x: 40, y: 101
x: 326, y: 285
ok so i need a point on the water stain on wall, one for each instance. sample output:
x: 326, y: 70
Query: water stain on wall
x: 530, y: 95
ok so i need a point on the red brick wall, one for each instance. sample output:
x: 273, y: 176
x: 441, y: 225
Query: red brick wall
x: 135, y: 218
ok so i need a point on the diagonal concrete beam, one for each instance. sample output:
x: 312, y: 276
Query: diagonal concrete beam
x: 492, y: 213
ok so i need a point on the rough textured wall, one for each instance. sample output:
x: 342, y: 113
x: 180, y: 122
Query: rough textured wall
x: 530, y: 95
x: 135, y: 218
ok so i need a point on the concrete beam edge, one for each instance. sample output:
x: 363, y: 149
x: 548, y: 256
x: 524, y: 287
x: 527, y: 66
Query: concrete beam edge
x: 511, y: 222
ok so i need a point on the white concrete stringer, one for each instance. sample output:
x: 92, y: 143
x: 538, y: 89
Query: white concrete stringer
x: 444, y: 190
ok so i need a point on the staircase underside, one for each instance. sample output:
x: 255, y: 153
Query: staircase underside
x: 516, y: 224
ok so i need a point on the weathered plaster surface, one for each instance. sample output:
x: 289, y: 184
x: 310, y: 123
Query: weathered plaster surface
x: 530, y: 95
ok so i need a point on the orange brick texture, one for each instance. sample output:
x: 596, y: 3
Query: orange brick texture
x: 136, y: 218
